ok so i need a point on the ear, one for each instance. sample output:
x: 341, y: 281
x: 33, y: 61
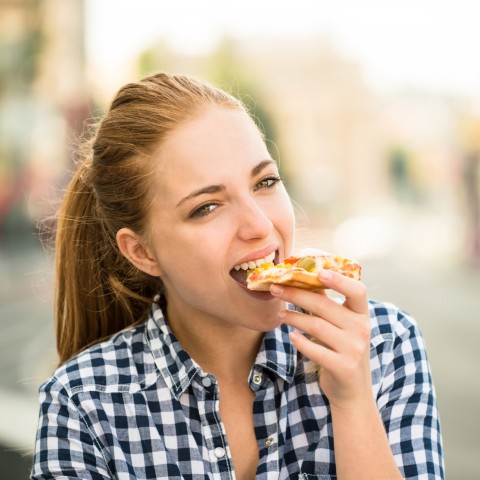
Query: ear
x: 134, y: 250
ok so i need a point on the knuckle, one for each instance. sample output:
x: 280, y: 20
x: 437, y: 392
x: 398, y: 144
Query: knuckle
x: 364, y: 332
x: 317, y: 329
x: 361, y: 290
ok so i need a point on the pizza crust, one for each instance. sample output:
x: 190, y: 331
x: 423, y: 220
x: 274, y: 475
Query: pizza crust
x: 293, y: 277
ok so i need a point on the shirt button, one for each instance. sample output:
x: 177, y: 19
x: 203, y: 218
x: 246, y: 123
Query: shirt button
x: 257, y: 379
x: 206, y: 382
x: 219, y: 452
x: 269, y: 442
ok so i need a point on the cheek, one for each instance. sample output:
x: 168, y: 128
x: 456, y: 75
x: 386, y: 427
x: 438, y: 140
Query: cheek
x: 191, y: 277
x: 184, y: 254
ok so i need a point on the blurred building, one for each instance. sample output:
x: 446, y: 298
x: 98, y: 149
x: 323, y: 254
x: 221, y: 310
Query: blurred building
x: 43, y: 105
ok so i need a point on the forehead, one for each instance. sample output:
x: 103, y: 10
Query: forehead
x: 217, y: 132
x: 215, y: 145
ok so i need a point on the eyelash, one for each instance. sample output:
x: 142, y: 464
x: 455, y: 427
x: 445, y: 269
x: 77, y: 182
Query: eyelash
x: 203, y: 210
x: 206, y: 209
x: 274, y: 179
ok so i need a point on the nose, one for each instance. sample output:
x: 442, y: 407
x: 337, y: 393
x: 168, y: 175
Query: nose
x: 253, y: 221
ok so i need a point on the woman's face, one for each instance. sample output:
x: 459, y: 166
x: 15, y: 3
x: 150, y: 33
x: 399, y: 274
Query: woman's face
x: 219, y: 204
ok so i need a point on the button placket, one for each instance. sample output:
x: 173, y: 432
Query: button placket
x: 268, y: 424
x: 211, y: 425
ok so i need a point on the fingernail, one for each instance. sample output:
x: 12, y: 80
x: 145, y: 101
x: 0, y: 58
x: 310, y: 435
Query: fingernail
x: 276, y: 289
x: 325, y: 275
x: 294, y: 336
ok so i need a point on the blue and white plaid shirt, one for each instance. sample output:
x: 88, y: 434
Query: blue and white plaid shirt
x: 138, y: 407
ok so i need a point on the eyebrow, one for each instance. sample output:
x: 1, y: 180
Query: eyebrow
x: 220, y: 188
x: 264, y: 164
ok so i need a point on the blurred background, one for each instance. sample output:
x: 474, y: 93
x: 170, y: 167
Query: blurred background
x: 372, y: 109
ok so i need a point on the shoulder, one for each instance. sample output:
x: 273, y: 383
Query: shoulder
x: 394, y: 334
x: 118, y: 364
x: 396, y: 340
x: 398, y: 355
x: 388, y: 321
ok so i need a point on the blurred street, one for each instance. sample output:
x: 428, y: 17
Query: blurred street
x: 445, y: 301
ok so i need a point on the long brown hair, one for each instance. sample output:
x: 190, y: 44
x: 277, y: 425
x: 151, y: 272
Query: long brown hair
x: 98, y: 292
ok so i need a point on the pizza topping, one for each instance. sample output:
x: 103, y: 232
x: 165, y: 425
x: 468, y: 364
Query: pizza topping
x: 291, y: 260
x: 307, y: 263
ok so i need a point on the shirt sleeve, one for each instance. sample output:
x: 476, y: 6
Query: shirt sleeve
x: 408, y: 406
x: 64, y: 448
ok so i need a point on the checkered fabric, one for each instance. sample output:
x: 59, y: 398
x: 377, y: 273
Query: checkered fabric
x: 138, y: 407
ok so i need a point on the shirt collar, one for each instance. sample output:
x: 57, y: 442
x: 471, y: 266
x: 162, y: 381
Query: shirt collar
x: 276, y: 354
x: 174, y: 363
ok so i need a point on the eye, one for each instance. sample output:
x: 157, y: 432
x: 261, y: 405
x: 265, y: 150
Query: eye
x: 203, y: 210
x: 268, y: 182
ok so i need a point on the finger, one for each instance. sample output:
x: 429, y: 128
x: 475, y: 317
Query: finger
x: 316, y: 303
x: 316, y: 353
x: 318, y: 328
x: 354, y: 291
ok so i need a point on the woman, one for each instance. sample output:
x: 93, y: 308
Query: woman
x: 170, y: 367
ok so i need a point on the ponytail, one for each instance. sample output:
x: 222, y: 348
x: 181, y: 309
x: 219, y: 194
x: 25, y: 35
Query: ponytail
x: 98, y: 292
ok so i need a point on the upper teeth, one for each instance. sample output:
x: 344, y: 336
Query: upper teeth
x: 255, y: 263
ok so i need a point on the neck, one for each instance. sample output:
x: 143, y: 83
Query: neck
x: 224, y: 350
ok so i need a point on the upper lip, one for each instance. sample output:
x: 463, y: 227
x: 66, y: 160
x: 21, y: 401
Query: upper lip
x: 261, y: 253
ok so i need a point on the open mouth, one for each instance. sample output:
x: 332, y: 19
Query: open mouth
x: 240, y: 272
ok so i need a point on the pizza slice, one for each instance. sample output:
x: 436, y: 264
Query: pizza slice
x: 301, y: 272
